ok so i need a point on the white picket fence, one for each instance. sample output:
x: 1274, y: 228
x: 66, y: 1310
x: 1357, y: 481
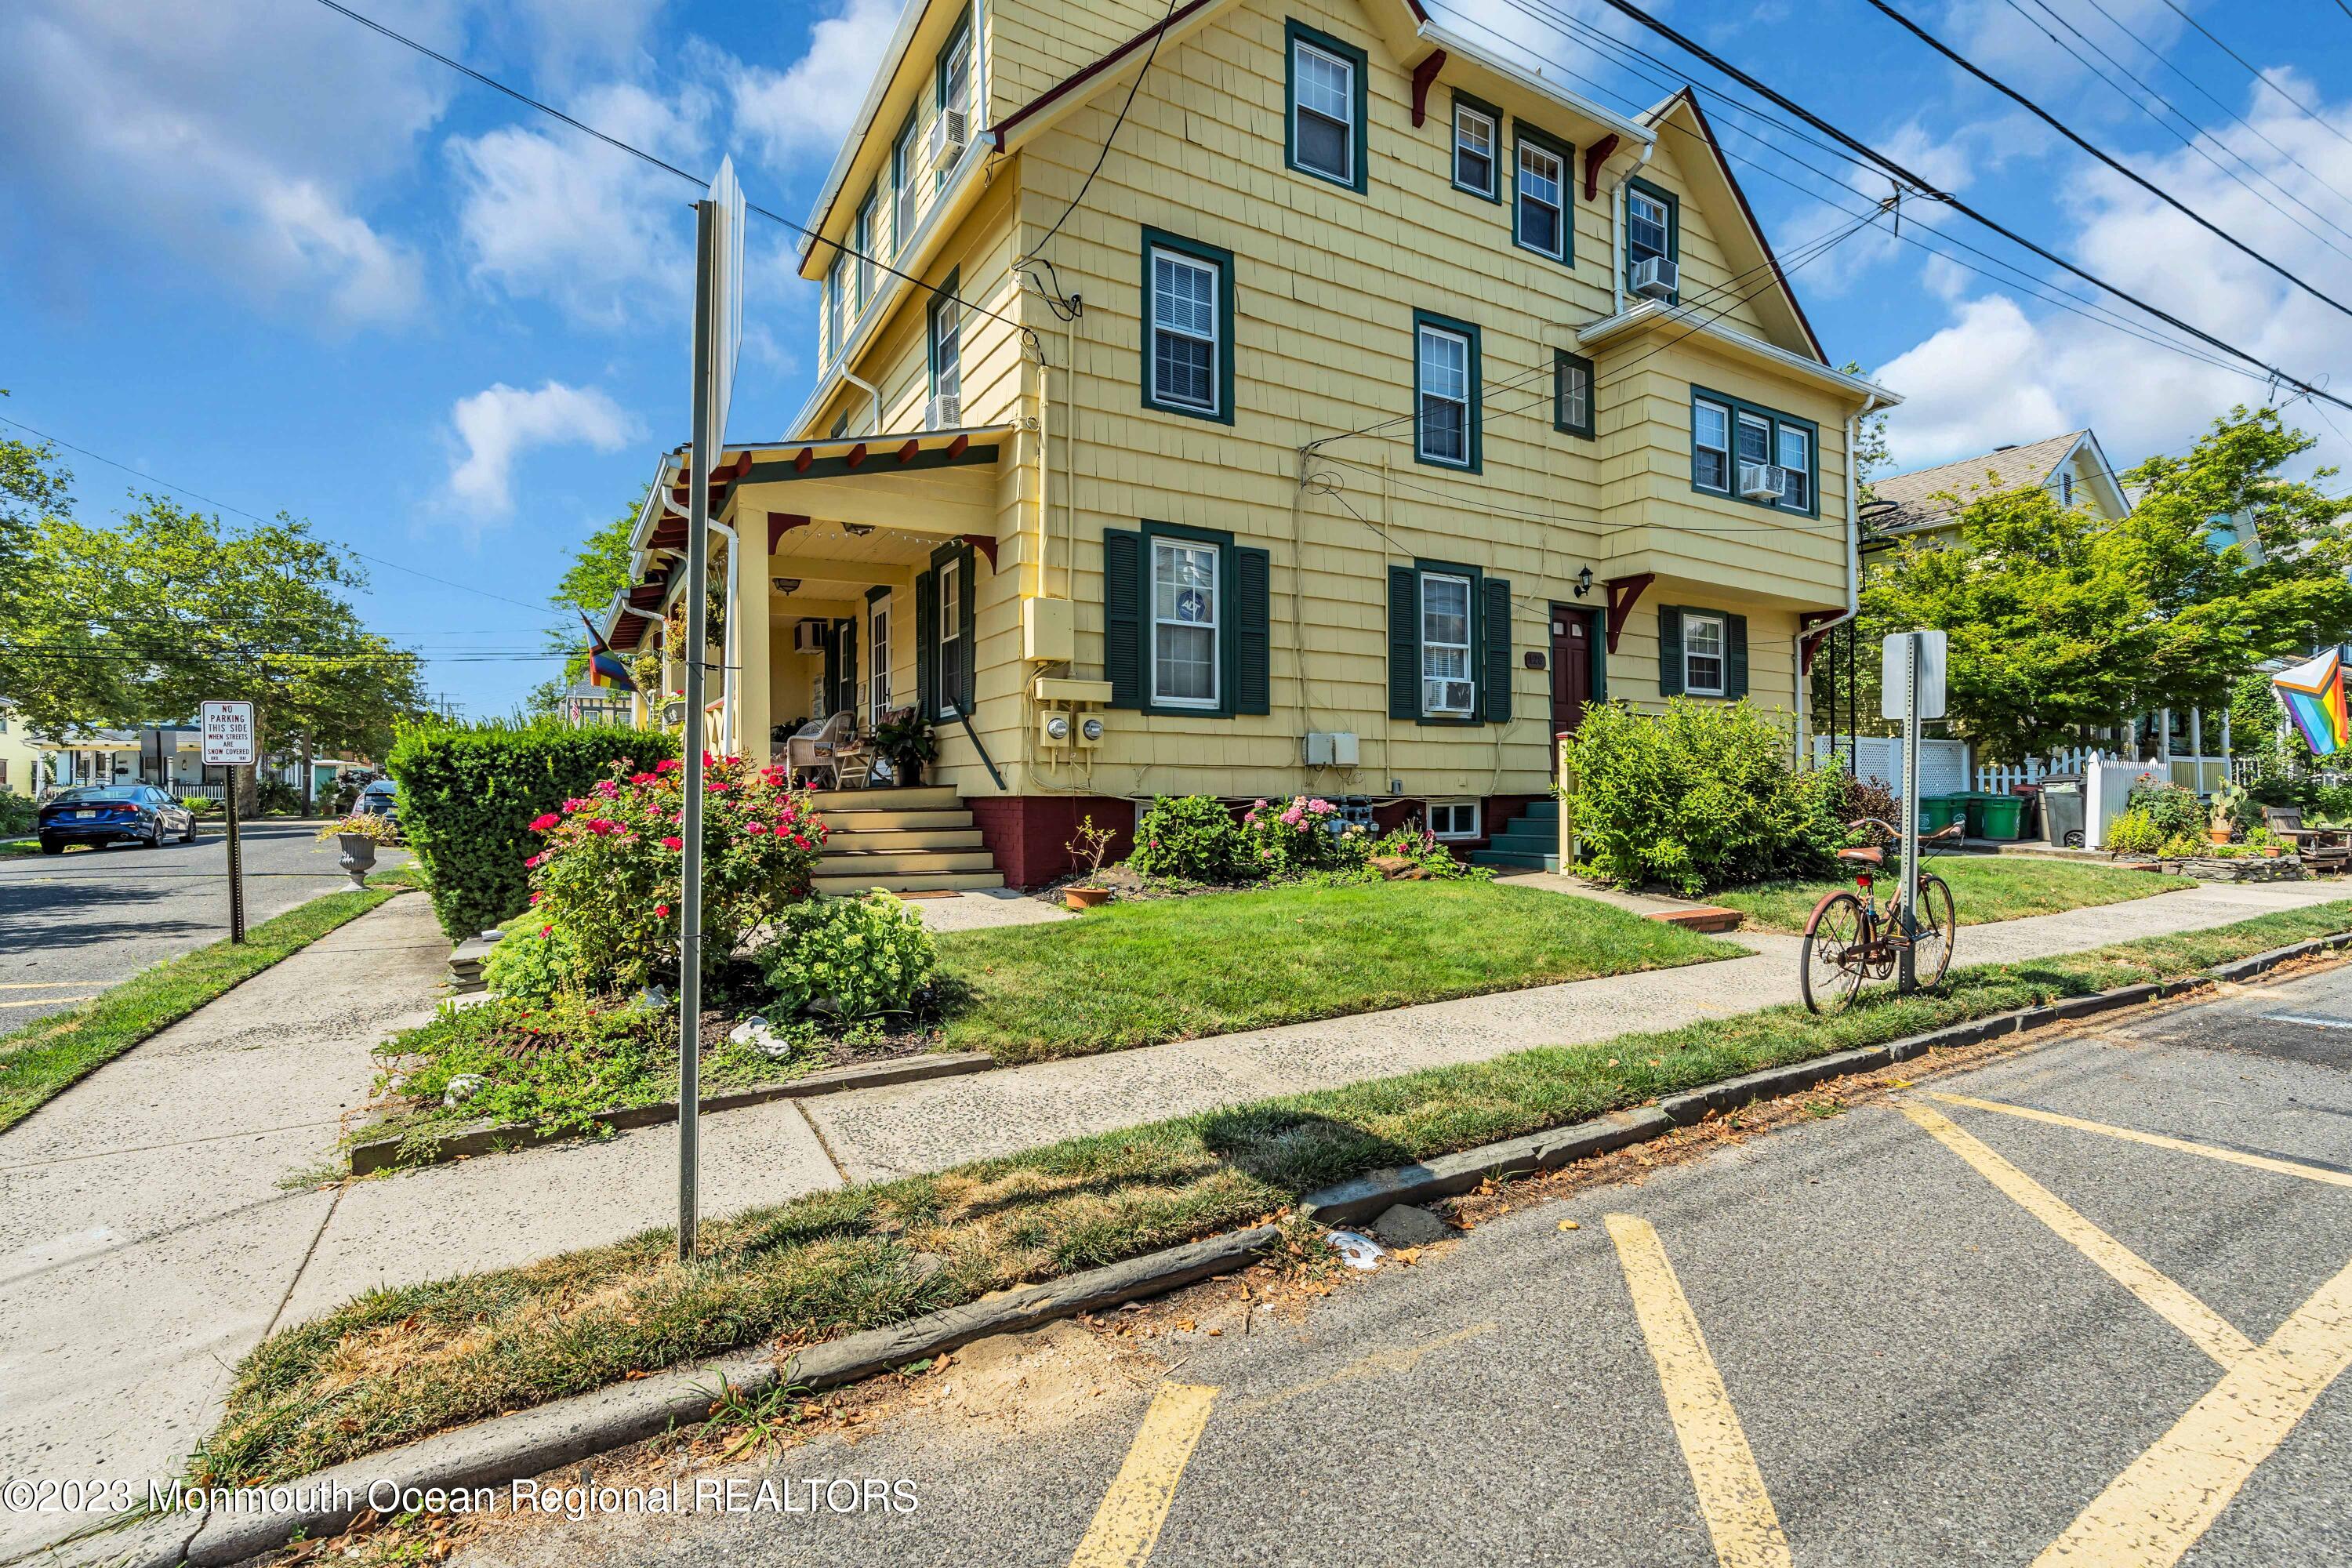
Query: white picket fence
x: 1997, y: 778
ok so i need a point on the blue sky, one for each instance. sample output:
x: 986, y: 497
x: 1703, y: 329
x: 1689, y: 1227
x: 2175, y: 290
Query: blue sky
x: 262, y: 253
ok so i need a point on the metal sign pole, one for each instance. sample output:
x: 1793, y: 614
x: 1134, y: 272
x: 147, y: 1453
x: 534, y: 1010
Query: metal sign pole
x: 697, y: 638
x: 235, y: 868
x: 1908, y: 958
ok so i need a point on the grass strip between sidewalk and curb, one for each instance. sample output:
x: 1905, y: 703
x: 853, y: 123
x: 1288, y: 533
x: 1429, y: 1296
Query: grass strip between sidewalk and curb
x: 1986, y: 889
x: 395, y: 1365
x: 49, y: 1055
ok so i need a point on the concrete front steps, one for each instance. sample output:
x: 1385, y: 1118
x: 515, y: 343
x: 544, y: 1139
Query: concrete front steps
x: 902, y: 841
x: 1528, y: 842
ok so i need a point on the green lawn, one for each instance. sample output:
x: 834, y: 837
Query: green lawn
x: 45, y: 1058
x: 1172, y: 969
x: 393, y: 1365
x: 1985, y: 888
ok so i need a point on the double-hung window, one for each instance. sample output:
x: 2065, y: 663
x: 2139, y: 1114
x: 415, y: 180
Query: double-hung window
x: 952, y: 637
x: 1710, y: 445
x: 837, y: 284
x: 1185, y: 609
x: 1571, y: 391
x: 1702, y: 654
x: 865, y: 243
x: 1542, y: 218
x: 1793, y: 450
x: 947, y: 358
x: 1736, y: 444
x: 1650, y: 226
x: 955, y: 82
x: 1189, y: 327
x: 1475, y: 130
x: 1445, y: 392
x: 902, y: 186
x: 1448, y: 689
x: 1327, y: 107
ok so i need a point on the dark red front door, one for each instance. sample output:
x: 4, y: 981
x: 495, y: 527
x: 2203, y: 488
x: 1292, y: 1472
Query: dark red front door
x: 1571, y: 667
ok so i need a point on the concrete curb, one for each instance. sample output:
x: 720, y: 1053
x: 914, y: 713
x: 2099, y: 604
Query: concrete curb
x: 529, y: 1442
x: 385, y: 1152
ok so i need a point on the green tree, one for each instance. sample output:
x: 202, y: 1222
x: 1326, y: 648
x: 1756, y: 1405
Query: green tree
x: 2060, y: 623
x: 142, y: 623
x: 599, y: 569
x: 1870, y: 455
x: 34, y: 488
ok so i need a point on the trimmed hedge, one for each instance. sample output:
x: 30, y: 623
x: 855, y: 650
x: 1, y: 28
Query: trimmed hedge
x: 468, y: 795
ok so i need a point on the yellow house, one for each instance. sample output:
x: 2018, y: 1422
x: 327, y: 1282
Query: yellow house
x: 22, y: 763
x: 1255, y: 397
x: 1926, y: 504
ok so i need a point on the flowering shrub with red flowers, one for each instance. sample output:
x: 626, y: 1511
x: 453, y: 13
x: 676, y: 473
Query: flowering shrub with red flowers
x: 607, y: 872
x: 1285, y: 838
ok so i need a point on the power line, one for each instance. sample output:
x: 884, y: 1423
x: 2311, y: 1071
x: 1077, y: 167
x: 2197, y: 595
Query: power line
x: 1132, y: 89
x: 699, y: 182
x: 2256, y: 72
x: 2060, y: 126
x: 1927, y: 189
x: 2187, y: 142
x: 264, y: 522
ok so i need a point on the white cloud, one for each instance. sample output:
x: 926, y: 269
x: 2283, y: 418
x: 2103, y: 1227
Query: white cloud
x: 499, y: 424
x: 2006, y: 368
x: 807, y: 107
x: 556, y: 215
x: 241, y: 138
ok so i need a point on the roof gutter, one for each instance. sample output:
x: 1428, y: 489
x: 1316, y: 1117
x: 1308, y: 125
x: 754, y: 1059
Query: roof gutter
x: 910, y: 19
x: 1453, y: 44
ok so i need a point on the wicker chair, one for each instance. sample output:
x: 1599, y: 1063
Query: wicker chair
x: 812, y: 751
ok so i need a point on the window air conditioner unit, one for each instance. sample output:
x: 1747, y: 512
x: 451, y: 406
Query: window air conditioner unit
x: 1656, y: 278
x: 944, y: 412
x: 1762, y: 481
x: 949, y: 131
x: 808, y: 636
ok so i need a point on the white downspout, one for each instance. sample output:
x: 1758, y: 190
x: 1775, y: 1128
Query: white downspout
x: 726, y: 670
x: 1853, y: 574
x: 870, y: 390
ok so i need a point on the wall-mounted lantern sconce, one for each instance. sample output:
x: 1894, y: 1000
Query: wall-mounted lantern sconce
x: 1584, y: 581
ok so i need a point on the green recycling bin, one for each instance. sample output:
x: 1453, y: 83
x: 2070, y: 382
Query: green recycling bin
x: 2004, y: 819
x: 1971, y: 804
x: 1937, y: 811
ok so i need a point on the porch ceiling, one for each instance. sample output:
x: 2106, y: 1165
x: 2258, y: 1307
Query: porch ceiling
x: 938, y: 484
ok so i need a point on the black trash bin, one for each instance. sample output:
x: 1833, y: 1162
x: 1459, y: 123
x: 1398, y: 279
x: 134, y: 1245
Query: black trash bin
x: 2062, y: 810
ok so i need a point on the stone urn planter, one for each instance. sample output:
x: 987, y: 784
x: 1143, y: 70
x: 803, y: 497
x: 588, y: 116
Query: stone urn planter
x: 358, y: 857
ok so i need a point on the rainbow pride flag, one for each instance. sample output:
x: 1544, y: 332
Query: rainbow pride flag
x: 605, y: 667
x: 2313, y: 693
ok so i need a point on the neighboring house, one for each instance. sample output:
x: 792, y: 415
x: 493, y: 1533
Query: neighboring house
x: 1926, y: 503
x: 1924, y: 506
x: 23, y: 768
x: 1418, y: 402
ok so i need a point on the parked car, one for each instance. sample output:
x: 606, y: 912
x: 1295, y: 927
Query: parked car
x: 381, y: 798
x: 134, y: 814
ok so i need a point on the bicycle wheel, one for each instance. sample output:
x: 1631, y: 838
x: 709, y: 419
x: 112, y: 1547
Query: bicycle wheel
x: 1834, y: 965
x: 1931, y: 943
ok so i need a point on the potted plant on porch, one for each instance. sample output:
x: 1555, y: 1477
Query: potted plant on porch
x: 2228, y: 801
x: 903, y: 738
x: 1087, y: 851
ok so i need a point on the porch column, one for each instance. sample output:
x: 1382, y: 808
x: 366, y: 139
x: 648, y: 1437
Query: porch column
x: 749, y: 618
x: 2197, y: 744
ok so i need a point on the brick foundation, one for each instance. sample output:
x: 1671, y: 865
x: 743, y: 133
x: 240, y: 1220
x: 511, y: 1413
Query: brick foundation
x: 1027, y: 833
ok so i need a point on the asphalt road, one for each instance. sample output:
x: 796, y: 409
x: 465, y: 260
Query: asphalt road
x: 72, y: 925
x: 1916, y: 1331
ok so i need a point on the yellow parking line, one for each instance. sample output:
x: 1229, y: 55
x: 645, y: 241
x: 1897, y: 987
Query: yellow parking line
x: 2156, y: 1140
x: 2170, y: 1495
x: 1126, y: 1525
x: 1731, y: 1495
x: 44, y: 1002
x: 2206, y: 1328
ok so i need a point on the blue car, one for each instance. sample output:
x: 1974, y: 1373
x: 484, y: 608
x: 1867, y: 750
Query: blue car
x: 134, y: 814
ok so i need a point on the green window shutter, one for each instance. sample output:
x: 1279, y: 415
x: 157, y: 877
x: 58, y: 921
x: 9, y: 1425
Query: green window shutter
x: 1404, y: 644
x: 1734, y: 657
x: 1494, y: 626
x: 832, y: 674
x: 845, y: 631
x: 926, y: 644
x: 968, y: 645
x: 1122, y: 615
x: 1252, y: 593
x: 1670, y: 651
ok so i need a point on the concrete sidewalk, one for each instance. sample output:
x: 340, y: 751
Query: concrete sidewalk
x: 148, y: 1241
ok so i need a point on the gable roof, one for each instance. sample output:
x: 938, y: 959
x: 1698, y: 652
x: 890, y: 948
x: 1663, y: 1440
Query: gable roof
x: 1745, y: 247
x: 1916, y: 496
